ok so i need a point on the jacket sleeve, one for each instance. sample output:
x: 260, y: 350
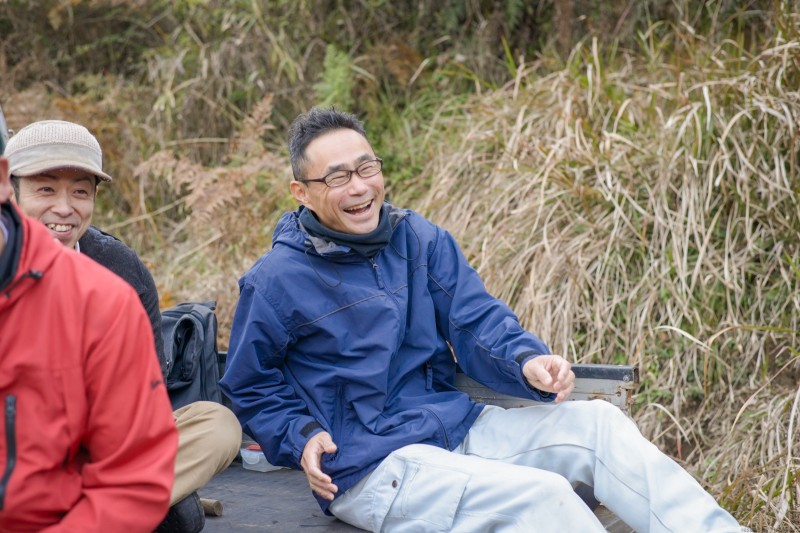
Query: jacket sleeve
x: 486, y: 336
x: 267, y: 407
x: 130, y: 439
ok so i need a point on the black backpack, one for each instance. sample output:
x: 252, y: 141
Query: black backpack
x: 190, y: 348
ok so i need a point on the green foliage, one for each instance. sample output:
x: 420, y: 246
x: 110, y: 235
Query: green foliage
x: 515, y: 10
x: 336, y: 86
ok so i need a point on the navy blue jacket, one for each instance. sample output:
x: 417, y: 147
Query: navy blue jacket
x: 325, y: 339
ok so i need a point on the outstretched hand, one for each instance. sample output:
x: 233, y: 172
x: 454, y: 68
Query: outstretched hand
x: 320, y: 482
x: 550, y: 373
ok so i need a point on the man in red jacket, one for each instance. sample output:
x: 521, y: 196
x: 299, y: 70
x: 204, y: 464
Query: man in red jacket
x: 55, y: 168
x: 87, y: 440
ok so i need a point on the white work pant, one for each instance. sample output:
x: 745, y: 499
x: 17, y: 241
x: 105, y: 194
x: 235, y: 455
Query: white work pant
x: 515, y: 471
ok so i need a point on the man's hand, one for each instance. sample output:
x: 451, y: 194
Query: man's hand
x: 321, y: 483
x: 550, y: 373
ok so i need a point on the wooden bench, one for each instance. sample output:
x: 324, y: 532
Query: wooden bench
x: 613, y: 383
x: 281, y: 500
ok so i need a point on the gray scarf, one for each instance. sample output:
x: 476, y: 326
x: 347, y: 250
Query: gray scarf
x: 367, y: 244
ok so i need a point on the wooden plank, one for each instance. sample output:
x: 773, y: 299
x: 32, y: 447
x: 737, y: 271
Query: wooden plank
x: 281, y: 501
x: 613, y: 383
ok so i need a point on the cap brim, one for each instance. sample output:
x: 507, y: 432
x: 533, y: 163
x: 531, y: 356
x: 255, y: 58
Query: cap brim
x: 43, y: 166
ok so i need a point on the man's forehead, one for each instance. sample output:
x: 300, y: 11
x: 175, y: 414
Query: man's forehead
x: 73, y: 175
x: 349, y: 162
x: 338, y: 149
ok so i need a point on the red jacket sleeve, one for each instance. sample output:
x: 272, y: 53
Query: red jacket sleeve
x: 130, y: 436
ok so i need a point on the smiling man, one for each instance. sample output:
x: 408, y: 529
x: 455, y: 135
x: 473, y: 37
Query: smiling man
x: 340, y: 364
x: 350, y: 210
x: 87, y: 442
x: 55, y: 169
x: 66, y: 220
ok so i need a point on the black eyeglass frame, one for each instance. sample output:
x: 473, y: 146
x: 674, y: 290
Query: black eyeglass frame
x: 324, y: 179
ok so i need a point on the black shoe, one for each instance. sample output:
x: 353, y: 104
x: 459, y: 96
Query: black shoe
x: 186, y: 516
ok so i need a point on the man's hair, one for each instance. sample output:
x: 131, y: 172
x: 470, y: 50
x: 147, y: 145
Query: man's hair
x: 308, y: 126
x: 15, y: 185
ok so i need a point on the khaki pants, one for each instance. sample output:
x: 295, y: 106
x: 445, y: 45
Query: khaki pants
x: 209, y: 436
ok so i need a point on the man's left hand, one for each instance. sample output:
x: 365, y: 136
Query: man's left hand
x: 550, y: 373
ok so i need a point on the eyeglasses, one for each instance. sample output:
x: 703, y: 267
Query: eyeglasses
x: 337, y: 178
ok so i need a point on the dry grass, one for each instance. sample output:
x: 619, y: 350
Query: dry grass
x: 653, y: 223
x: 226, y: 216
x: 637, y: 207
x: 657, y: 223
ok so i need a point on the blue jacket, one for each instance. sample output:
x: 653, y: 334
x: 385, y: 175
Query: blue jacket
x: 325, y: 339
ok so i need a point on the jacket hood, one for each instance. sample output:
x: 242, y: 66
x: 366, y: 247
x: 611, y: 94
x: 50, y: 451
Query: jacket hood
x: 289, y: 231
x: 35, y: 253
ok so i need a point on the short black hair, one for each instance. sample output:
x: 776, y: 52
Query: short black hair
x: 308, y: 126
x: 15, y: 185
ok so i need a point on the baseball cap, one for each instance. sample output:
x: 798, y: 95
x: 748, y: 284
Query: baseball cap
x: 52, y: 144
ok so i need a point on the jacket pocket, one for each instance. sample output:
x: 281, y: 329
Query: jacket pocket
x: 10, y: 416
x: 337, y: 426
x: 428, y: 375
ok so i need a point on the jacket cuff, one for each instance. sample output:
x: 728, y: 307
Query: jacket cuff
x: 309, y: 428
x: 523, y: 358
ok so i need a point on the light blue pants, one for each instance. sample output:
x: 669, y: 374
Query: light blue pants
x: 515, y: 471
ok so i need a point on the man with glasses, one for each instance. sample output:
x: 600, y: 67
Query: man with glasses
x: 87, y: 441
x: 340, y: 363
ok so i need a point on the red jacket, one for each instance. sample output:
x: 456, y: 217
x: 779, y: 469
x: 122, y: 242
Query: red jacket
x: 87, y: 437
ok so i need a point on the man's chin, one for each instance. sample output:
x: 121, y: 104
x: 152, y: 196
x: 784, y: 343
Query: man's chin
x: 363, y: 228
x: 67, y: 240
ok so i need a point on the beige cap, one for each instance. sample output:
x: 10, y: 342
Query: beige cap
x: 51, y: 144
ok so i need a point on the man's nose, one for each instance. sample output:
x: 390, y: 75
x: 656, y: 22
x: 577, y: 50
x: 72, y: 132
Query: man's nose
x: 63, y: 205
x: 358, y: 185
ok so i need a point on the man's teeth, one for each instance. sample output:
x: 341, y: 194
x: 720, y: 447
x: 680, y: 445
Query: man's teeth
x: 359, y: 207
x: 59, y: 227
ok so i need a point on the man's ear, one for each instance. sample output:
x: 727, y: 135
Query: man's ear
x: 299, y: 191
x: 5, y: 181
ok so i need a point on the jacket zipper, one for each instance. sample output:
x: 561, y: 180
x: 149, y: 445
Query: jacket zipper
x: 441, y: 425
x: 377, y: 272
x: 11, y: 444
x: 338, y: 422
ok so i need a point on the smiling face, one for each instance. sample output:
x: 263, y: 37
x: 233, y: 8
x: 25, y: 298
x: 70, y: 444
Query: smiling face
x: 62, y: 199
x: 352, y: 208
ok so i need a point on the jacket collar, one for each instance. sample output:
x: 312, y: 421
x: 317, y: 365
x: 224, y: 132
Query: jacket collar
x: 324, y: 246
x: 12, y: 243
x: 33, y: 251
